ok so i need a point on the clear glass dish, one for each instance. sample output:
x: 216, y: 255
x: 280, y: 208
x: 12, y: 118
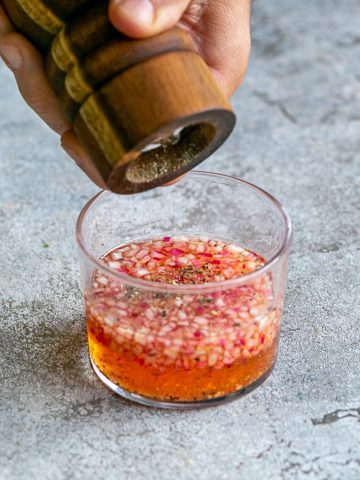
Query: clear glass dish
x: 217, y: 340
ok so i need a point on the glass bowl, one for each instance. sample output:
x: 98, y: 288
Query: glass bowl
x: 184, y: 345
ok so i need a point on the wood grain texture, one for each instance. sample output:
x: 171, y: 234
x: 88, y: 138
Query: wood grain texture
x: 87, y: 30
x: 146, y: 110
x: 64, y: 8
x: 104, y: 63
x: 28, y: 17
x: 145, y: 105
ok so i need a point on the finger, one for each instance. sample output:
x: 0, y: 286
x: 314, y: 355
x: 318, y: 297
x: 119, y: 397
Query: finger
x: 5, y: 23
x: 73, y: 147
x: 221, y: 32
x: 145, y: 18
x: 28, y: 67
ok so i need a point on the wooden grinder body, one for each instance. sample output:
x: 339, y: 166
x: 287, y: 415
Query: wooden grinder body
x: 146, y: 110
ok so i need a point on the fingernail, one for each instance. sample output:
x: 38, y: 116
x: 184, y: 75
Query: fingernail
x: 73, y: 154
x: 139, y: 11
x: 12, y: 56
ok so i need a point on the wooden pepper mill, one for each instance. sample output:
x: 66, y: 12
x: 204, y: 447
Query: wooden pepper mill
x: 147, y: 111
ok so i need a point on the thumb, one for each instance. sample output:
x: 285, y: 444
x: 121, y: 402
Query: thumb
x: 145, y: 18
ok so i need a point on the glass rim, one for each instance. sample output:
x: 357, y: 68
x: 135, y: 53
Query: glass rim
x: 205, y: 287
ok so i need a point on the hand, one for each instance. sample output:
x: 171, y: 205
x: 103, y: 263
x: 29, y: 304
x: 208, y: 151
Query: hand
x: 220, y: 30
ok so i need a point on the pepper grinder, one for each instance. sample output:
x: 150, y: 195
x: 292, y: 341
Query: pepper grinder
x: 147, y: 111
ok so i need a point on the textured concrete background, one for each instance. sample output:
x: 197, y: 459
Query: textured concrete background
x: 298, y: 136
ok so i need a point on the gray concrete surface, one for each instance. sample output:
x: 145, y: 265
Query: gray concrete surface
x: 298, y: 136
